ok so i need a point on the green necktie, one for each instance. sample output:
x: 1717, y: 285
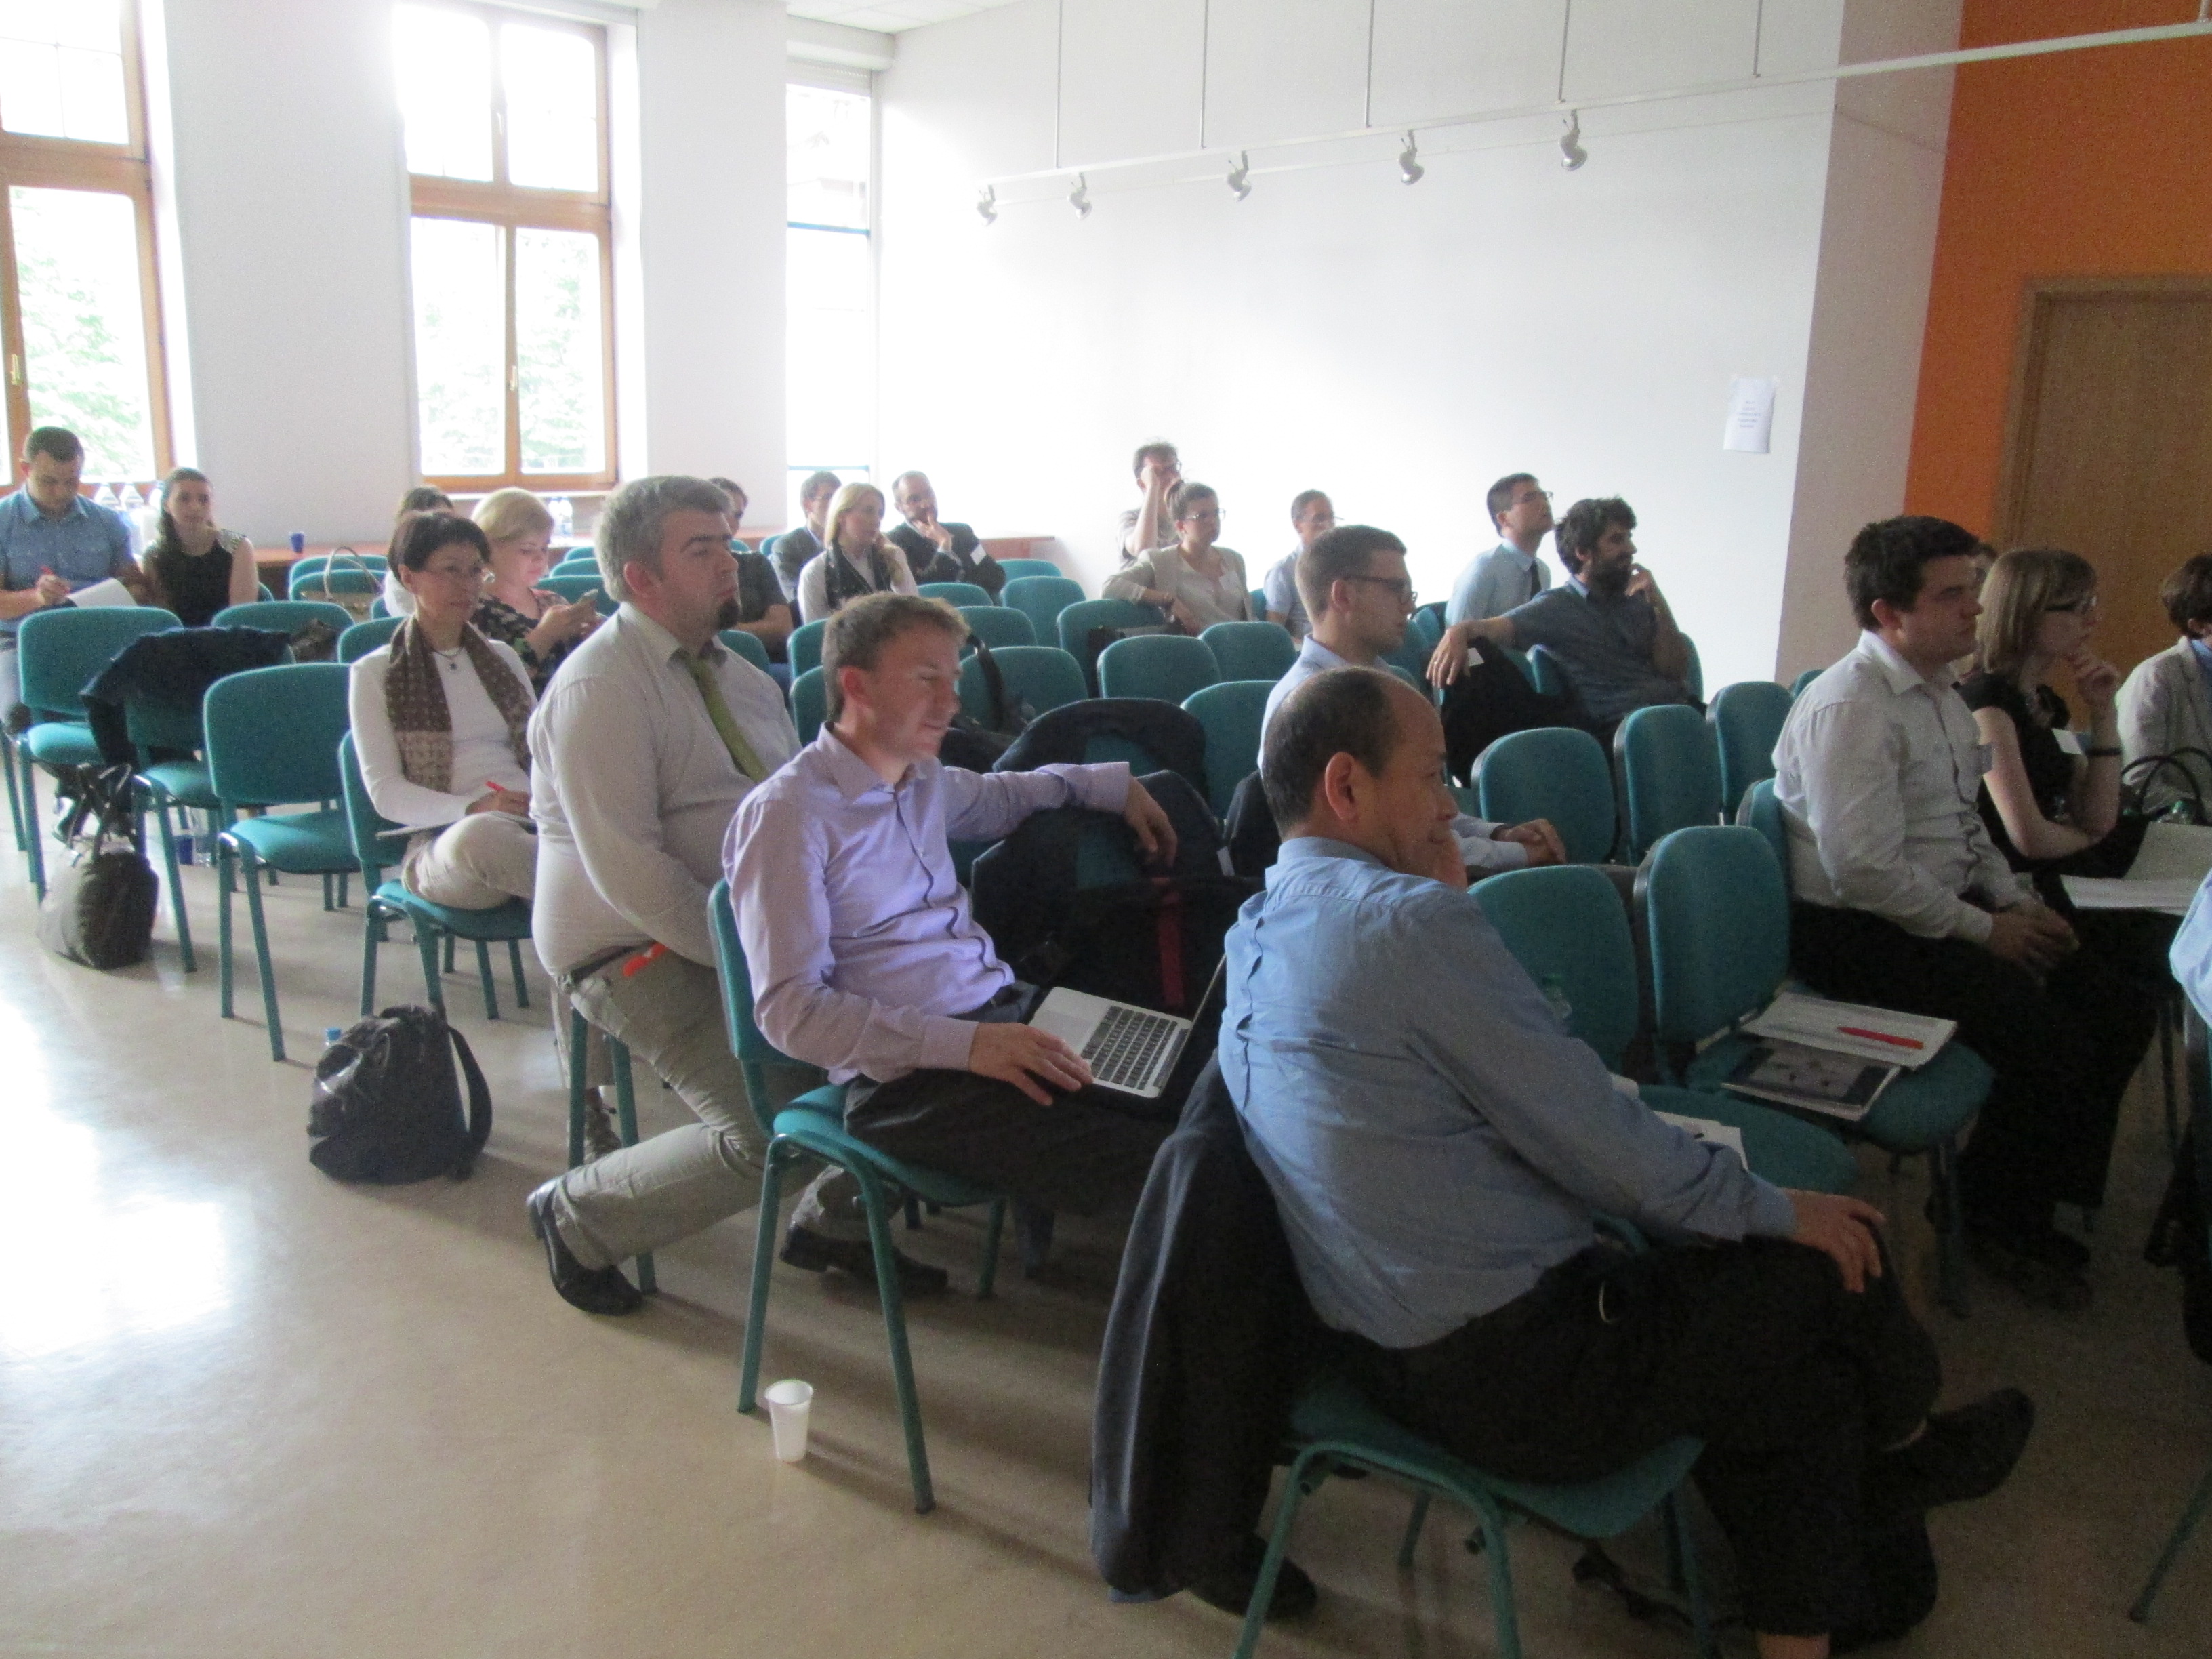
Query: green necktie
x: 725, y: 725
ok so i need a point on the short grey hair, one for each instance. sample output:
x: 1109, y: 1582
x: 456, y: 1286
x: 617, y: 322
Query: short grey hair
x: 632, y: 521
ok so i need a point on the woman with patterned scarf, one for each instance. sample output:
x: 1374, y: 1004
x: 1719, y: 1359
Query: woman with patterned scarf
x: 438, y: 722
x: 856, y: 558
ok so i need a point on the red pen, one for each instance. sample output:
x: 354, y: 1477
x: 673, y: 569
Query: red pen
x: 1879, y: 1037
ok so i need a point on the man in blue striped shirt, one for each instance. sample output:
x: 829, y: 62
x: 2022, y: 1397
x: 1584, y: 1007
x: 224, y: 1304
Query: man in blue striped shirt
x: 53, y: 542
x: 1441, y: 1150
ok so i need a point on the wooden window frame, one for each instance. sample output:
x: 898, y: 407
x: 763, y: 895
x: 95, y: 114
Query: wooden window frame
x: 511, y: 208
x: 38, y: 163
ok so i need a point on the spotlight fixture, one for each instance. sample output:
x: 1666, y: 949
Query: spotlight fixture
x: 1240, y: 177
x: 1409, y: 163
x: 1571, y: 153
x: 1079, y: 198
x: 987, y: 206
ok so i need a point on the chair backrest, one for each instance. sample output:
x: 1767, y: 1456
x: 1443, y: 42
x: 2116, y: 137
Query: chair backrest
x: 586, y: 565
x: 804, y: 645
x: 358, y: 640
x: 1694, y: 676
x: 954, y: 594
x: 1168, y: 667
x: 1251, y: 650
x: 1018, y: 569
x: 1568, y: 922
x: 273, y: 733
x: 1043, y: 675
x: 573, y: 585
x: 285, y: 616
x: 1761, y: 811
x: 1076, y: 621
x: 1258, y: 596
x: 1670, y: 773
x: 747, y: 646
x: 810, y: 703
x: 1797, y: 686
x: 1555, y: 772
x: 1232, y: 713
x: 1414, y: 651
x: 1719, y: 921
x: 261, y: 592
x: 1546, y: 674
x: 998, y: 625
x: 61, y: 650
x: 319, y: 579
x: 1041, y: 598
x: 375, y: 850
x: 746, y: 1042
x: 1746, y: 718
x: 1429, y: 623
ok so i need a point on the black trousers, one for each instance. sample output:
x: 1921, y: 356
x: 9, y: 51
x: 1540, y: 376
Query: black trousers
x: 1080, y: 1154
x: 1756, y: 1348
x: 2063, y: 1049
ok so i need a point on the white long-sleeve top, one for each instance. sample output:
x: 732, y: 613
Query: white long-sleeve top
x: 482, y: 753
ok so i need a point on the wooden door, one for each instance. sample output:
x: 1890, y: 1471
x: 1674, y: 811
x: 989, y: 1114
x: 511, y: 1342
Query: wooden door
x: 2108, y: 445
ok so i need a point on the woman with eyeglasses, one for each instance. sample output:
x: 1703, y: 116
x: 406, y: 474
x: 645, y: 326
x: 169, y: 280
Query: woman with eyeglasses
x: 1197, y: 581
x: 541, y: 626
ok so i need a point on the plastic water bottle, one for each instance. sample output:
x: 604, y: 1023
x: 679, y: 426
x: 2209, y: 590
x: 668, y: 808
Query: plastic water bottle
x: 1555, y: 998
x: 564, y: 517
x: 105, y: 497
x: 129, y: 501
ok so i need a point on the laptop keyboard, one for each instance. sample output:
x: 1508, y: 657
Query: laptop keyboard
x: 1127, y: 1045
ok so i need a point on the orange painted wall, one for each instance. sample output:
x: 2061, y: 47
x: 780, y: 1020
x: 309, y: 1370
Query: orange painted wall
x: 2078, y: 164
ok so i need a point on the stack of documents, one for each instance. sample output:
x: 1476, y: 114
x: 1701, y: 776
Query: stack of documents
x: 1833, y: 1058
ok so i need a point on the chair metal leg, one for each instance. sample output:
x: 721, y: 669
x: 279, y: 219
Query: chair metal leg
x: 342, y: 879
x: 490, y: 985
x: 1683, y: 1569
x: 449, y: 953
x: 579, y: 1034
x: 34, y: 835
x: 1503, y: 1616
x: 763, y: 1260
x: 2141, y: 1611
x: 514, y: 961
x: 326, y: 891
x: 261, y: 958
x: 14, y: 795
x: 2167, y: 1021
x: 370, y: 928
x: 894, y: 1305
x: 425, y: 946
x: 1413, y: 1538
x: 993, y: 1229
x: 176, y: 886
x: 913, y: 1213
x: 626, y: 1112
x: 1950, y: 1226
x: 1307, y: 1472
x: 224, y: 881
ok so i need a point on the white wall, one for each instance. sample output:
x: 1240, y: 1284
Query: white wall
x: 289, y: 277
x: 1398, y: 347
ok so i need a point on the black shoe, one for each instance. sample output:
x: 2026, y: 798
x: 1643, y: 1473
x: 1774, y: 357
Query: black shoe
x: 1033, y: 1229
x: 595, y: 1289
x: 2028, y: 1262
x: 1964, y: 1454
x: 813, y: 1252
x: 1231, y: 1588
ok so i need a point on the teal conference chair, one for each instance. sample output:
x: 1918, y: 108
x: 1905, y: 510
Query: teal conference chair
x: 1017, y: 569
x: 324, y: 581
x: 577, y: 564
x: 1257, y: 598
x: 285, y: 616
x: 1429, y: 624
x: 1555, y: 772
x: 1693, y: 676
x: 272, y: 738
x: 1043, y: 675
x: 1041, y: 598
x: 583, y: 585
x: 1251, y: 650
x: 1232, y: 713
x: 804, y: 647
x: 57, y: 652
x: 814, y: 1124
x: 747, y: 646
x: 998, y: 625
x: 1413, y: 651
x: 1670, y: 774
x: 579, y: 1033
x: 954, y: 594
x: 1797, y: 686
x: 1167, y: 667
x: 1568, y: 929
x: 363, y: 638
x: 1746, y: 719
x: 1076, y: 621
x: 169, y: 785
x: 810, y: 704
x: 377, y: 850
x: 1546, y: 673
x: 1718, y: 915
x: 262, y: 593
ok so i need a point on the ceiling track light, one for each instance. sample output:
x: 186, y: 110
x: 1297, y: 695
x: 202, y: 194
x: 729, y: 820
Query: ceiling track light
x: 1571, y: 153
x: 1079, y: 198
x: 987, y: 206
x: 1409, y: 163
x: 1240, y: 177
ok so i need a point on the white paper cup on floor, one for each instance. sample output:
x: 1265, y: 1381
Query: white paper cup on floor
x: 789, y: 1404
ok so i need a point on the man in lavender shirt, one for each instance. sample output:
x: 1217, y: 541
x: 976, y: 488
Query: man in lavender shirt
x: 864, y: 957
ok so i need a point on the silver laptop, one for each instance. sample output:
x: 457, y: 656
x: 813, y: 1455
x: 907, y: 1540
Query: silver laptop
x: 1130, y: 1049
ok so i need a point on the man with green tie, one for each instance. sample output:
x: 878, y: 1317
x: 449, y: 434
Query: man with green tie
x: 646, y: 742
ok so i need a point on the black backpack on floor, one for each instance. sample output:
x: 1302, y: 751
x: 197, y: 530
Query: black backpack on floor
x: 386, y: 1108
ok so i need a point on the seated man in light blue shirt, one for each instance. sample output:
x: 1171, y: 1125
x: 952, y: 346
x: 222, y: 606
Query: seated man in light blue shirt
x: 54, y: 542
x: 1441, y: 1150
x: 1359, y: 596
x: 1509, y: 573
x: 1314, y: 516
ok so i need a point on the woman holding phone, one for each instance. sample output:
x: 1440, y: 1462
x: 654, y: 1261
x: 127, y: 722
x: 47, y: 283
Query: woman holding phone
x: 537, y: 623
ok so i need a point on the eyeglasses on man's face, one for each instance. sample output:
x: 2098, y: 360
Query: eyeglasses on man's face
x: 1402, y: 587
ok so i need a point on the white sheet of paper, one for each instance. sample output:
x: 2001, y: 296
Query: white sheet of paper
x: 1750, y: 414
x: 1906, y: 1040
x: 1712, y: 1134
x: 110, y: 592
x: 2173, y: 852
x: 2171, y: 895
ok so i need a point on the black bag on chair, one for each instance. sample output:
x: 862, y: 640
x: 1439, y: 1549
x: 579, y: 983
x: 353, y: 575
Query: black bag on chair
x: 386, y: 1108
x: 99, y: 907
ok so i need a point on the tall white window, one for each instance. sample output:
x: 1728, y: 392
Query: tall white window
x: 830, y: 286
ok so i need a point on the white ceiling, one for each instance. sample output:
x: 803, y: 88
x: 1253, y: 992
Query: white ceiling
x: 889, y: 16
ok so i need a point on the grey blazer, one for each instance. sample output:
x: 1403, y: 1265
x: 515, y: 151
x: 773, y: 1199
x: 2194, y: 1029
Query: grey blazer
x: 2164, y: 705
